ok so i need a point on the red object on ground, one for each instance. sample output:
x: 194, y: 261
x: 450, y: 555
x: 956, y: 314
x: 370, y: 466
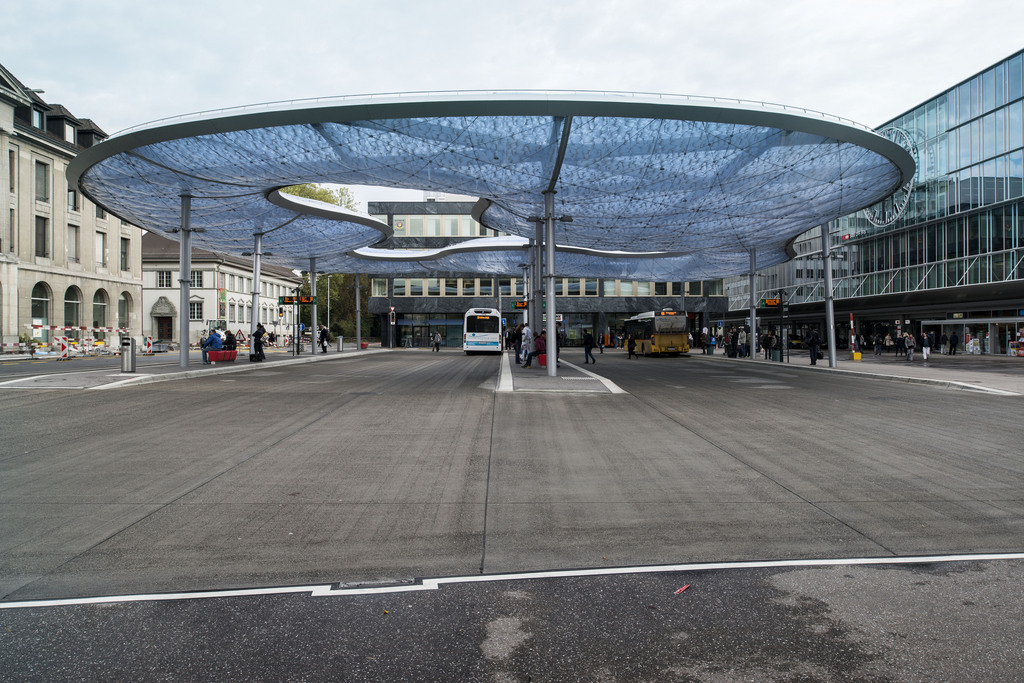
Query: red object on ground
x: 682, y: 589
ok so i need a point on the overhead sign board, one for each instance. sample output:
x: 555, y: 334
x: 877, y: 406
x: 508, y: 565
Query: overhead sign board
x: 520, y: 304
x: 767, y: 303
x: 283, y: 300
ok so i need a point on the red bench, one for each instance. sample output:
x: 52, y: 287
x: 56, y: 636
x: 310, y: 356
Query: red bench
x: 221, y: 356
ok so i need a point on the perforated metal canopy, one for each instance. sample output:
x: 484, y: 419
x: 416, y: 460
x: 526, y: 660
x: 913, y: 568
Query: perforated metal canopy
x: 702, y: 181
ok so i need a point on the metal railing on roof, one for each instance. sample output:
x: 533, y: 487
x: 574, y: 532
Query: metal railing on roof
x: 467, y: 94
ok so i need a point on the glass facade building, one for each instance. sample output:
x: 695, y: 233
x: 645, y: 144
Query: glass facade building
x: 953, y: 260
x: 438, y: 302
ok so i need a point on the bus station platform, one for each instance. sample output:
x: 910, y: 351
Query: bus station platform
x: 985, y: 373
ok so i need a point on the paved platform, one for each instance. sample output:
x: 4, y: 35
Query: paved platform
x: 989, y: 373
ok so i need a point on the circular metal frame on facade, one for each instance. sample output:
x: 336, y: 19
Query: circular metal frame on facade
x: 708, y: 179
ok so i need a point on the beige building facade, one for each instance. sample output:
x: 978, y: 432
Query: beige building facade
x: 67, y: 268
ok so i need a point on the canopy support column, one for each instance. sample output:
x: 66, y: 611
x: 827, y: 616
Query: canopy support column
x: 257, y: 255
x: 537, y: 278
x: 359, y: 315
x: 314, y: 330
x: 830, y: 315
x: 184, y: 279
x: 752, y: 336
x: 549, y: 281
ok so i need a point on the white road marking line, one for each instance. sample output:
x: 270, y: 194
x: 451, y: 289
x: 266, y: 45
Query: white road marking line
x: 436, y: 583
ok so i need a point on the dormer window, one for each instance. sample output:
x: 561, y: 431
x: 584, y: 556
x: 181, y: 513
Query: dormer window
x: 69, y: 133
x: 38, y: 119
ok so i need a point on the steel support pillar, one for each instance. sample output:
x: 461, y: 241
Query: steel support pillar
x: 549, y: 281
x: 830, y: 315
x: 184, y: 279
x: 752, y: 336
x: 257, y: 255
x: 359, y: 316
x: 314, y: 331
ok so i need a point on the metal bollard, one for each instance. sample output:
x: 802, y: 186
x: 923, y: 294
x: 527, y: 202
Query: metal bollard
x: 127, y: 354
x: 340, y: 348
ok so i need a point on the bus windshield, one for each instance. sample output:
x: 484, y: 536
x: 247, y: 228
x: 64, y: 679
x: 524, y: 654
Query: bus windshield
x: 482, y: 324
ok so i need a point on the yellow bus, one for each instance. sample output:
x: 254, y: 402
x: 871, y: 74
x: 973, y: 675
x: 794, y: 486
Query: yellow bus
x: 659, y: 332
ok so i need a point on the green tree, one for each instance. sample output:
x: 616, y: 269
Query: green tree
x: 342, y: 311
x: 341, y: 196
x: 340, y: 306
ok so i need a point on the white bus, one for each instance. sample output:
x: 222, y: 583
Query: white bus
x: 481, y: 331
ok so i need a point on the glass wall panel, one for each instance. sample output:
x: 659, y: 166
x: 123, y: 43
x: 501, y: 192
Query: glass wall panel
x: 399, y: 286
x: 1015, y: 174
x: 988, y: 90
x: 984, y: 182
x: 486, y: 287
x: 416, y: 286
x: 451, y: 286
x: 963, y: 97
x: 1013, y: 79
x: 590, y: 287
x: 1014, y: 126
x: 433, y: 286
x: 415, y: 226
x: 468, y: 286
x: 988, y: 133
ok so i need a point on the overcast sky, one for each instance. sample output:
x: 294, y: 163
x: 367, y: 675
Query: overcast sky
x: 126, y: 62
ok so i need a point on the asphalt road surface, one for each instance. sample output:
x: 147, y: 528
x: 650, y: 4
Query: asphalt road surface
x: 379, y: 470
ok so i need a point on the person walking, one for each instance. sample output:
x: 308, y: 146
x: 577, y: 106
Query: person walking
x: 741, y: 342
x: 257, y: 344
x: 953, y: 341
x: 926, y: 346
x: 588, y: 348
x: 908, y: 345
x: 435, y: 341
x: 527, y: 343
x: 631, y: 347
x: 322, y: 338
x: 516, y: 338
x: 814, y: 344
x: 943, y: 343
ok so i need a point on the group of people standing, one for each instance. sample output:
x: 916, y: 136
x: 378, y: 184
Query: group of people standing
x: 528, y: 345
x: 904, y: 344
x: 733, y: 342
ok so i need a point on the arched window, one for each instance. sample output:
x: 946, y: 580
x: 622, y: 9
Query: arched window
x: 99, y: 313
x: 124, y: 312
x: 41, y: 310
x: 72, y: 312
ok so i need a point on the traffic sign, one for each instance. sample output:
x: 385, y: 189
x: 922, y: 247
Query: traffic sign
x: 770, y: 303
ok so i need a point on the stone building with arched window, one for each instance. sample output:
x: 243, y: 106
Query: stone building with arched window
x: 67, y: 268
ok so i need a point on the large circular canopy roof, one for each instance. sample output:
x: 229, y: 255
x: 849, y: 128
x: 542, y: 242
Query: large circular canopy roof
x: 703, y: 180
